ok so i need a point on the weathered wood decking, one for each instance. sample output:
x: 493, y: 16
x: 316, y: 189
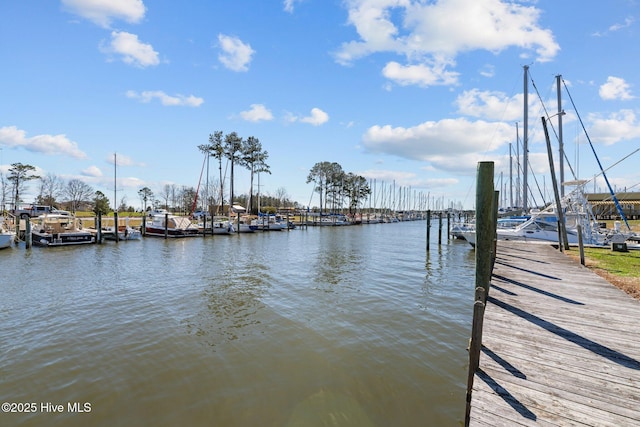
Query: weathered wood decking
x: 561, y: 346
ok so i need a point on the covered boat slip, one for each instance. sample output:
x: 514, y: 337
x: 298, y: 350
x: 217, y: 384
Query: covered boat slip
x: 560, y: 345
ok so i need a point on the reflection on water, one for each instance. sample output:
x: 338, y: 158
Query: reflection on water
x: 325, y: 326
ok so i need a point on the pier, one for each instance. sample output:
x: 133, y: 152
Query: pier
x: 559, y: 345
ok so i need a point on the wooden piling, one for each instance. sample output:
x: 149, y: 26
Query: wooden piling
x: 98, y: 225
x: 115, y: 227
x: 485, y: 230
x: 166, y: 225
x: 580, y: 244
x: 428, y: 228
x: 27, y: 233
x: 439, y: 228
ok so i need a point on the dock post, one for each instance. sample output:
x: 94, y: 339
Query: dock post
x: 204, y: 225
x: 144, y: 224
x: 98, y: 225
x: 475, y: 346
x: 485, y: 233
x: 428, y: 228
x: 115, y: 226
x: 440, y: 228
x: 580, y: 244
x: 166, y: 225
x: 448, y: 225
x: 27, y: 233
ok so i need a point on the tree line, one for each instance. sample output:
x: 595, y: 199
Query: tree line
x: 52, y: 190
x: 337, y: 187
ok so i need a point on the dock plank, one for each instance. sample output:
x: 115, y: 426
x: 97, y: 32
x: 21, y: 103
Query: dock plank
x: 561, y: 345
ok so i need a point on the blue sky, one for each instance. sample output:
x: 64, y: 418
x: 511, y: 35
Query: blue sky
x: 399, y: 91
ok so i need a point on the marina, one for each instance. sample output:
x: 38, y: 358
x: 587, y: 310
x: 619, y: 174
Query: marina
x: 267, y: 328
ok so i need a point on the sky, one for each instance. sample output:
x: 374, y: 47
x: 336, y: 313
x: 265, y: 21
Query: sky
x: 410, y: 94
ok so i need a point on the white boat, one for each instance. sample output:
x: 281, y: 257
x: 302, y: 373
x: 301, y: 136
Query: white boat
x: 172, y: 225
x: 244, y: 225
x: 124, y: 233
x: 269, y: 223
x: 543, y: 225
x: 59, y: 230
x: 7, y: 236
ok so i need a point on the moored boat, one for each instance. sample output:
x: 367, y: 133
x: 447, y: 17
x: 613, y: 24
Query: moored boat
x: 170, y: 226
x: 7, y: 236
x: 59, y: 230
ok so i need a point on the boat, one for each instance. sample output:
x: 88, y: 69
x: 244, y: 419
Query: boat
x: 542, y: 226
x: 169, y: 225
x: 269, y: 223
x: 244, y: 225
x: 125, y: 232
x: 217, y: 225
x: 7, y: 236
x: 59, y: 230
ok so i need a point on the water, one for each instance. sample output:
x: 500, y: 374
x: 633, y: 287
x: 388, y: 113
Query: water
x: 344, y: 326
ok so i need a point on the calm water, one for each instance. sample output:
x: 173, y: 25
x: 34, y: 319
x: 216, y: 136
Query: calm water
x: 344, y: 326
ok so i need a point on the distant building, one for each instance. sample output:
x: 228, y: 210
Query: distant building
x: 604, y: 207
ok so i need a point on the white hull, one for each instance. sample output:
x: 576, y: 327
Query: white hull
x: 6, y: 239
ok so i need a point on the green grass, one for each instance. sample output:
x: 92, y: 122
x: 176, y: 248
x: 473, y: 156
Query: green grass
x: 624, y: 264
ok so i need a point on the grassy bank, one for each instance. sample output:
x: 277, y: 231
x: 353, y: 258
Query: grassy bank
x: 621, y: 269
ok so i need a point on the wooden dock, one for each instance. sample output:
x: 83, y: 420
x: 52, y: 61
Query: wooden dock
x: 561, y: 346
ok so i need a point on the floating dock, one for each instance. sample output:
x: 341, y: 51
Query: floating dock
x: 560, y: 345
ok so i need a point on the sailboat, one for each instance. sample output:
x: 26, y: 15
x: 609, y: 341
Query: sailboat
x: 119, y: 232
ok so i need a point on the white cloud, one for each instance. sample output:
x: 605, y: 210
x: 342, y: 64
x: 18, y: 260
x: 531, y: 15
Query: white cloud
x: 257, y: 113
x: 627, y: 23
x: 420, y: 74
x: 166, y: 100
x: 492, y: 105
x: 615, y: 88
x: 619, y: 126
x: 132, y: 50
x: 235, y: 55
x: 317, y: 117
x: 289, y: 5
x: 433, y: 34
x: 102, y: 12
x: 446, y: 144
x: 92, y: 171
x: 123, y: 160
x: 46, y: 144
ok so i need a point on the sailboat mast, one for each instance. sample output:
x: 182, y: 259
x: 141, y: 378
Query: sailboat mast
x: 525, y: 142
x: 115, y: 183
x: 510, y: 176
x: 560, y: 141
x: 518, y: 200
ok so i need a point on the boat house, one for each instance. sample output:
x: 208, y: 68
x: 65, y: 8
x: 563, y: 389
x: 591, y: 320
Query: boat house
x: 604, y: 207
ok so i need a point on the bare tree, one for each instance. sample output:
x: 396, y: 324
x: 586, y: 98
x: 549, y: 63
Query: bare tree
x: 77, y: 192
x: 166, y: 194
x: 51, y: 188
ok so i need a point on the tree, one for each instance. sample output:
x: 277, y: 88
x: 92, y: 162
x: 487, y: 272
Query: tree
x: 77, y: 192
x: 100, y: 203
x: 282, y: 197
x: 213, y: 149
x: 356, y: 189
x: 146, y: 195
x: 326, y: 176
x: 19, y: 174
x: 168, y: 193
x: 51, y: 188
x: 232, y: 151
x: 317, y: 175
x: 254, y: 159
